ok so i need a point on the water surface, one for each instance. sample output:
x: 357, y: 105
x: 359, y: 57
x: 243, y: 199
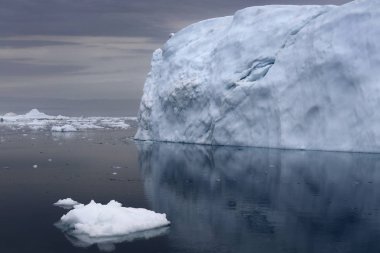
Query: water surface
x: 219, y: 199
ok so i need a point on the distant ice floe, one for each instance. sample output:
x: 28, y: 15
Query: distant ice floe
x: 64, y: 128
x: 108, y: 224
x: 36, y: 120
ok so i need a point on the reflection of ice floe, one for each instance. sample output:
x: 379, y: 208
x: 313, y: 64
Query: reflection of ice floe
x: 36, y: 120
x: 108, y: 224
x: 108, y: 243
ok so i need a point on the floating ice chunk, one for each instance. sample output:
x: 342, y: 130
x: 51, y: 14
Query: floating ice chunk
x: 35, y: 166
x: 64, y: 128
x: 67, y: 203
x: 95, y: 220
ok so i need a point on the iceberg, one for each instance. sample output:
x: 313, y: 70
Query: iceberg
x: 298, y: 77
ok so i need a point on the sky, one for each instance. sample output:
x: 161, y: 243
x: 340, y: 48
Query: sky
x: 56, y: 53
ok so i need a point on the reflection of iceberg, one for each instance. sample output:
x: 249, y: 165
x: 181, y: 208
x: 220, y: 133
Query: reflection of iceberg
x: 108, y: 243
x: 244, y: 199
x: 63, y: 135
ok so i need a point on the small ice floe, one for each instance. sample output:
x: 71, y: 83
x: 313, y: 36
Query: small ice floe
x: 114, y: 173
x: 111, y: 223
x: 50, y: 160
x: 35, y: 166
x: 66, y: 203
x: 64, y: 128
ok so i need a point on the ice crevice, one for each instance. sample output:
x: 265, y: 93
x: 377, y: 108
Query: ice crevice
x: 293, y: 34
x: 258, y: 70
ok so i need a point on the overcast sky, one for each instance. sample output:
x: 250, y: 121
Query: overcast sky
x: 94, y: 49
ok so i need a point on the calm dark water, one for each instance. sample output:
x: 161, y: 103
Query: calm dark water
x: 219, y: 199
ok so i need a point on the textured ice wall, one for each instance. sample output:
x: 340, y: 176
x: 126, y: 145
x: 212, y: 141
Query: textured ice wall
x: 275, y: 76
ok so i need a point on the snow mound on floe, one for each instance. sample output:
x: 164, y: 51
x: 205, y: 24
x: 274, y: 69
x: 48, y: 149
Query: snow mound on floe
x: 303, y: 77
x: 95, y: 220
x: 36, y: 114
x: 37, y: 120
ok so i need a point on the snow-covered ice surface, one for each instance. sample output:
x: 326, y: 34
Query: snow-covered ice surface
x: 67, y: 203
x: 36, y: 120
x: 111, y: 223
x: 303, y: 77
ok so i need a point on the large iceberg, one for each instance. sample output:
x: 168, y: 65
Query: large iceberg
x: 302, y: 77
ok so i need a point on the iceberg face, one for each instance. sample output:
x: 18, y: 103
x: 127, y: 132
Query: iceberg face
x: 302, y: 77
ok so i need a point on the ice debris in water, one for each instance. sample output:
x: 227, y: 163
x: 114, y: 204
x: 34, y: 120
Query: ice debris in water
x: 66, y: 203
x: 111, y: 223
x: 36, y: 120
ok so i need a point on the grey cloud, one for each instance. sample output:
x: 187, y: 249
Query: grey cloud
x: 30, y: 43
x: 75, y: 67
x: 14, y: 68
x: 152, y: 18
x: 94, y: 49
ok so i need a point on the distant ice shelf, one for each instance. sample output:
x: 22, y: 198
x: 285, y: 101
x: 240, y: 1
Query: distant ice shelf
x: 36, y: 120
